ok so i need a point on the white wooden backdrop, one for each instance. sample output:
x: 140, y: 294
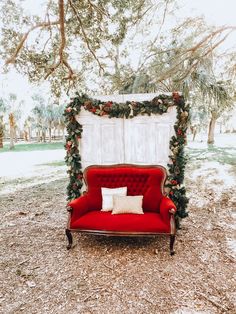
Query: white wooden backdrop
x: 140, y: 140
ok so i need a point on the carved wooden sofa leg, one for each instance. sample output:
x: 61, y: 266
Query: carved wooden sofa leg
x: 70, y: 239
x: 173, y: 231
x: 172, y: 241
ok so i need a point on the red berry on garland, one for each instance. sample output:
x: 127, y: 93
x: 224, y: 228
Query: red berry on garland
x: 107, y: 107
x: 175, y: 95
x: 88, y: 104
x: 80, y: 177
x: 68, y: 145
x: 179, y: 132
x: 171, y: 193
x: 68, y: 109
x: 74, y: 186
x: 173, y: 182
x: 109, y: 104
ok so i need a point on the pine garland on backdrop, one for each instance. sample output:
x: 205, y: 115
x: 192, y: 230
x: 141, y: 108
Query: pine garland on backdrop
x: 130, y: 109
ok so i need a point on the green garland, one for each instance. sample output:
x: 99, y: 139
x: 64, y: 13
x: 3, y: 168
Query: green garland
x: 158, y: 105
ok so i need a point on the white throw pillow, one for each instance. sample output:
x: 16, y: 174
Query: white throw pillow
x: 107, y: 197
x: 127, y: 204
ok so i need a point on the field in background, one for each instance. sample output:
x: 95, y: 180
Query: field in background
x: 25, y: 147
x: 223, y: 151
x: 216, y: 162
x: 32, y: 163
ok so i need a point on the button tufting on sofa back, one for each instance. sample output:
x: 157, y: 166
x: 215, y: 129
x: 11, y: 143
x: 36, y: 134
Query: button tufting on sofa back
x: 136, y: 184
x: 140, y: 180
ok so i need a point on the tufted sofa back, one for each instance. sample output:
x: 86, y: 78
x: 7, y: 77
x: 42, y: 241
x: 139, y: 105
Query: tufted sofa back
x: 140, y: 180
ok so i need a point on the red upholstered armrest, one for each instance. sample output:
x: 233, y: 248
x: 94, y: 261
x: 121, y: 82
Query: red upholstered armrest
x: 165, y: 206
x: 79, y: 207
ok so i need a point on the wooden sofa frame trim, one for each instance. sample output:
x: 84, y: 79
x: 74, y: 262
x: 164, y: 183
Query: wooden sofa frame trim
x: 172, y: 233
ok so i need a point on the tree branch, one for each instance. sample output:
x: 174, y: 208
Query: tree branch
x: 99, y: 10
x: 62, y: 29
x: 185, y: 53
x: 211, y: 36
x: 84, y: 34
x: 206, y: 53
x: 12, y: 59
x: 62, y: 59
x: 162, y: 22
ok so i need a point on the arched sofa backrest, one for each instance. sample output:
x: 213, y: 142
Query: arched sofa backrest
x: 140, y: 180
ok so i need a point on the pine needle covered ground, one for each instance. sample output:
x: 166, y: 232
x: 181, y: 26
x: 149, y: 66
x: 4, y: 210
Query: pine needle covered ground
x: 113, y: 275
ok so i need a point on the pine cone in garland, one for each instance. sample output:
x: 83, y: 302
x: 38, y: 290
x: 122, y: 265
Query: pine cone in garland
x: 157, y: 101
x: 88, y: 105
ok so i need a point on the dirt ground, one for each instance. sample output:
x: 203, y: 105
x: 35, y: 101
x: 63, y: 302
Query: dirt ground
x: 113, y: 275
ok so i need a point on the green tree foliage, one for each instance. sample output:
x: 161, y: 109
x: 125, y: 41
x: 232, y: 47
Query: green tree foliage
x: 186, y: 60
x: 71, y: 35
x: 10, y: 114
x: 2, y: 126
x: 46, y: 118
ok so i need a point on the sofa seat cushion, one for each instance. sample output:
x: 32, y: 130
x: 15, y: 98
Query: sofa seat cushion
x: 105, y: 221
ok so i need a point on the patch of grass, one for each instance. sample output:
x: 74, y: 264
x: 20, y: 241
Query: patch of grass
x: 53, y: 164
x: 22, y: 147
x: 12, y: 183
x: 226, y: 155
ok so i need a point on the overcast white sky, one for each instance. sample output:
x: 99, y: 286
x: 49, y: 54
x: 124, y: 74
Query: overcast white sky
x: 216, y: 12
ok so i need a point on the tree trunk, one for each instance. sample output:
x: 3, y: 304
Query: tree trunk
x: 221, y: 125
x: 50, y: 132
x: 25, y: 136
x: 29, y: 134
x: 12, y: 130
x: 12, y: 133
x: 38, y: 136
x: 194, y: 131
x: 44, y: 136
x: 15, y: 134
x: 211, y: 129
x: 54, y: 132
x: 63, y: 134
x: 1, y: 132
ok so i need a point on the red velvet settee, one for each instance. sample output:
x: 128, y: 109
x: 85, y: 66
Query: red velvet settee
x: 85, y: 213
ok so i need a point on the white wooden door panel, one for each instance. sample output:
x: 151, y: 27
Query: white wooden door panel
x: 137, y: 138
x: 147, y: 138
x: 102, y: 139
x: 162, y: 139
x: 140, y: 140
x: 112, y: 150
x: 90, y: 140
x: 136, y: 149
